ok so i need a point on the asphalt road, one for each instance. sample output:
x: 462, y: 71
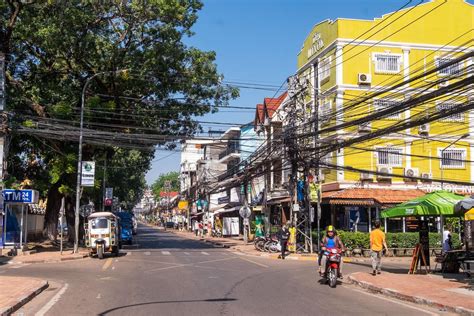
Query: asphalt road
x: 164, y: 274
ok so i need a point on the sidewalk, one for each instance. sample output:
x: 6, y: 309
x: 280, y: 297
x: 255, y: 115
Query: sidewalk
x: 17, y: 291
x: 449, y: 291
x: 44, y: 253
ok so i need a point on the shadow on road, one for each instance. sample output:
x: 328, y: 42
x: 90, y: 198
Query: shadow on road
x: 384, y: 268
x: 211, y: 300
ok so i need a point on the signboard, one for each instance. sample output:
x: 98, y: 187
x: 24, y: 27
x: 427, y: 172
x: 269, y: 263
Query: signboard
x: 424, y: 241
x: 20, y: 196
x: 223, y: 200
x: 87, y: 173
x: 183, y: 205
x: 109, y: 193
x: 245, y: 212
x: 108, y: 202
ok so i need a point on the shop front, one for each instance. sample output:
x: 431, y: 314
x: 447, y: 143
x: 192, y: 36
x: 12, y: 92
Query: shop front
x: 356, y: 209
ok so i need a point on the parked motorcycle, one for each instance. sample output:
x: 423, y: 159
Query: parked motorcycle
x: 334, y: 257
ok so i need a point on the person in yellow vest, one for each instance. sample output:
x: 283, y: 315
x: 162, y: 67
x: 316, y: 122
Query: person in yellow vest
x: 377, y: 244
x: 292, y: 240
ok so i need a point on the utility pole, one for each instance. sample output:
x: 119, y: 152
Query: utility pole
x: 103, y: 184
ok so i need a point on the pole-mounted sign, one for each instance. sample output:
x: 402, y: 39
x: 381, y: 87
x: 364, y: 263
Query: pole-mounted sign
x: 20, y: 196
x: 87, y: 173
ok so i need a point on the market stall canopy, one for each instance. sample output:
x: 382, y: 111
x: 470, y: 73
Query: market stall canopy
x: 432, y: 204
x: 464, y: 205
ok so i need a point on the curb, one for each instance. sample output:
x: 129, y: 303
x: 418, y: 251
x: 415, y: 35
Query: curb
x: 23, y: 300
x: 51, y: 260
x: 297, y: 257
x: 404, y: 297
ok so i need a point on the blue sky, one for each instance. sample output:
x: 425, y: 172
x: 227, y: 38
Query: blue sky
x: 257, y: 41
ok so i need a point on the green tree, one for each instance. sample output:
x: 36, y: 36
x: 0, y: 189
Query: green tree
x: 159, y: 185
x: 53, y: 47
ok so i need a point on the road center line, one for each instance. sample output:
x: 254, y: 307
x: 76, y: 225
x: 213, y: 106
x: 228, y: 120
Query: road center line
x: 165, y: 252
x: 53, y: 301
x: 204, y: 253
x: 107, y: 264
x: 257, y: 263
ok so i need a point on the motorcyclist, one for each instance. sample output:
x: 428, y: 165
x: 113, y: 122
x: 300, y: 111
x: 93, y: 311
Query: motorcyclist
x: 331, y: 240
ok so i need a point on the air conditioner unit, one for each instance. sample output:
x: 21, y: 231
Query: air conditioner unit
x: 411, y: 172
x: 443, y: 84
x: 426, y: 176
x: 364, y: 78
x: 365, y: 127
x: 366, y: 176
x: 388, y: 170
x: 424, y: 129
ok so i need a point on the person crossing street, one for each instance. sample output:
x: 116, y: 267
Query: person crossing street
x: 283, y: 236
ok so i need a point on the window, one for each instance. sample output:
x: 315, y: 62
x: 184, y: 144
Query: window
x: 325, y: 68
x: 450, y: 70
x: 325, y: 112
x: 458, y: 117
x: 387, y: 63
x: 100, y: 223
x: 390, y: 156
x: 452, y: 158
x: 382, y: 104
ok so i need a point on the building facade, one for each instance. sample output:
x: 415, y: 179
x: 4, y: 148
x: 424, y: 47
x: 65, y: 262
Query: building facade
x: 354, y: 76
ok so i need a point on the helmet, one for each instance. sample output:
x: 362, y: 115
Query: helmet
x: 330, y: 228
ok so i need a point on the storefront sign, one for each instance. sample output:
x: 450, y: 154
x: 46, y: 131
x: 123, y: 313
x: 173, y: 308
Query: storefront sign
x: 183, y: 205
x: 20, y: 196
x: 459, y: 189
x: 223, y: 200
x: 87, y: 173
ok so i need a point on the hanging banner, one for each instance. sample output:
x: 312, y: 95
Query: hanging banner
x: 87, y: 173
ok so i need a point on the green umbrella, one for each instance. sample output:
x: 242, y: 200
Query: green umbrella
x: 432, y: 204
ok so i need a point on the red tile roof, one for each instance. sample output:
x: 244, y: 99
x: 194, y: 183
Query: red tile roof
x: 259, y: 115
x: 371, y: 196
x: 269, y: 106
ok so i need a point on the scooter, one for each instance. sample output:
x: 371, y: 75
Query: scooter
x: 334, y: 257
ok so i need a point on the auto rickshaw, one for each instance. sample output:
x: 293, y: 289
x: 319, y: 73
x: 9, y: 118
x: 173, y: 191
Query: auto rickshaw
x: 102, y: 234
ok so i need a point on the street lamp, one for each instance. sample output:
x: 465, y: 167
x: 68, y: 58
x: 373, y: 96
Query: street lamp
x: 441, y: 220
x: 79, y: 159
x: 442, y: 155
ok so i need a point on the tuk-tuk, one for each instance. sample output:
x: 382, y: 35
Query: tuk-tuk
x: 126, y: 227
x: 102, y: 233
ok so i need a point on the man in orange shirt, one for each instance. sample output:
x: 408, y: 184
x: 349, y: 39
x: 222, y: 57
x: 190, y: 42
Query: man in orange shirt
x: 377, y: 244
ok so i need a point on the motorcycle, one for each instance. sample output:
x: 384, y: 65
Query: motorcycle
x: 334, y: 257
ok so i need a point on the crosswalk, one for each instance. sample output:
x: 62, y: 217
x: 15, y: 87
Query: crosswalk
x: 174, y: 253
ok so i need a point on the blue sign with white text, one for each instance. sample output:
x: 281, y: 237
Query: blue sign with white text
x: 20, y: 196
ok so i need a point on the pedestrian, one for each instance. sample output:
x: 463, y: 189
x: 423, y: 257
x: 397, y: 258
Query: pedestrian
x: 283, y: 236
x: 447, y: 242
x: 201, y: 227
x: 377, y: 244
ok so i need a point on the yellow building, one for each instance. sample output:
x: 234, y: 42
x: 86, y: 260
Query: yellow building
x: 349, y: 61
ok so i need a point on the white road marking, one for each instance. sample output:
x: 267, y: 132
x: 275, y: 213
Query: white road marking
x: 147, y: 253
x: 53, y: 301
x: 239, y: 253
x: 165, y: 252
x: 392, y: 300
x: 204, y: 253
x: 257, y: 263
x: 186, y: 253
x: 113, y: 268
x: 129, y: 253
x: 187, y: 265
x: 99, y: 296
x: 20, y: 266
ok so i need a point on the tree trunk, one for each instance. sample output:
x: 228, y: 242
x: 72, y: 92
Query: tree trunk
x: 51, y: 216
